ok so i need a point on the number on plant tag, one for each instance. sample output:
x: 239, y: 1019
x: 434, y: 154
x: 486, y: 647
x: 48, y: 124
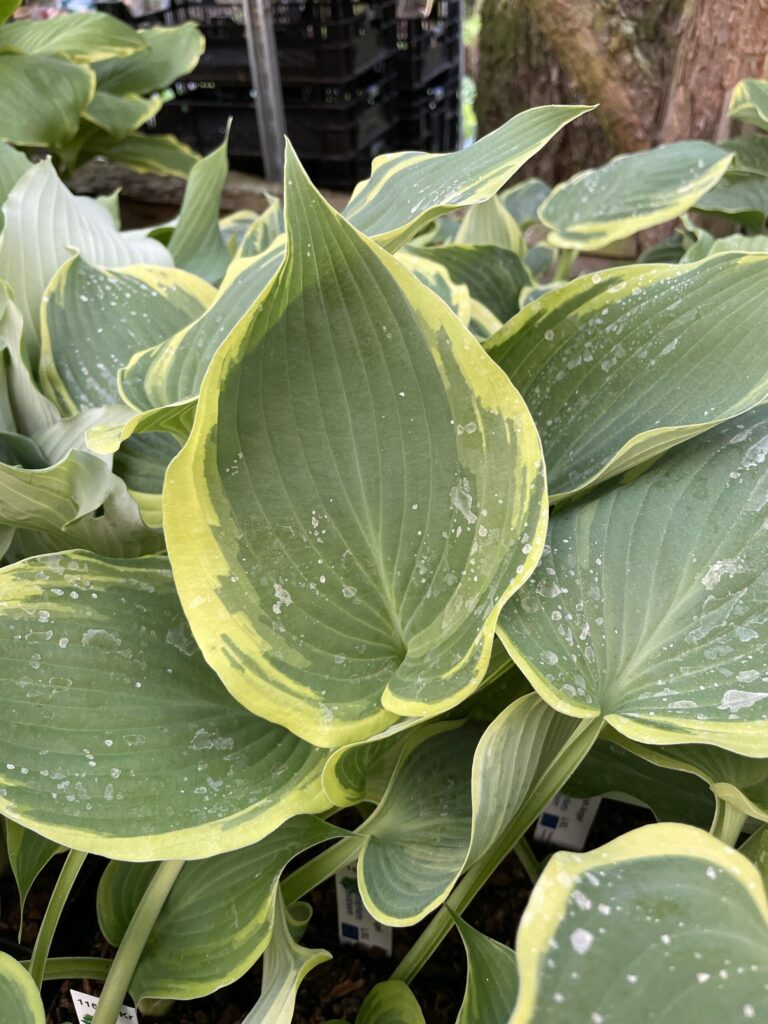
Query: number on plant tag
x: 85, y: 1007
x: 356, y: 926
x: 565, y: 822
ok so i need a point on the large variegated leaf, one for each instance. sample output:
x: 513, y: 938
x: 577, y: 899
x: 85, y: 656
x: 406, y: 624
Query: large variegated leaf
x: 120, y: 740
x: 649, y: 606
x: 28, y: 853
x: 620, y: 365
x: 42, y: 98
x: 490, y: 223
x: 167, y: 54
x: 218, y: 919
x: 749, y: 102
x: 286, y: 964
x: 86, y: 37
x: 494, y: 276
x: 43, y: 222
x: 366, y: 585
x: 631, y: 193
x: 664, y: 924
x: 155, y: 154
x: 435, y: 184
x: 20, y: 1001
x: 196, y: 243
x: 491, y: 989
x: 94, y: 321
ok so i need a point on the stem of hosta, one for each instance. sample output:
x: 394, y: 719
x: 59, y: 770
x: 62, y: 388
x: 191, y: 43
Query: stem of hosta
x: 53, y: 911
x: 134, y: 941
x: 564, y: 264
x: 315, y: 871
x: 728, y: 822
x: 528, y: 860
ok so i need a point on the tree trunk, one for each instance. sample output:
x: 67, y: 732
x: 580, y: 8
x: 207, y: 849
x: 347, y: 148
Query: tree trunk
x: 718, y: 43
x: 660, y: 69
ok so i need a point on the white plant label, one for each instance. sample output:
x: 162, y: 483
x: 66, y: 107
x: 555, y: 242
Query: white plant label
x: 565, y: 822
x: 85, y: 1007
x: 356, y: 926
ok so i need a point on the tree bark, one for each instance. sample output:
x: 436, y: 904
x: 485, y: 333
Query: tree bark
x: 719, y: 42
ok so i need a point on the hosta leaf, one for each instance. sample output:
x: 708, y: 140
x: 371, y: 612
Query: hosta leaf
x: 167, y: 54
x: 196, y: 243
x: 750, y: 152
x: 438, y: 280
x: 390, y: 1002
x: 491, y: 988
x: 649, y: 605
x: 41, y: 98
x: 155, y: 154
x: 43, y: 222
x: 524, y: 199
x: 631, y: 193
x: 451, y: 799
x: 87, y: 37
x: 30, y: 410
x: 94, y: 321
x: 286, y: 964
x: 20, y: 1001
x: 235, y: 226
x: 218, y: 919
x: 437, y: 183
x: 367, y: 585
x: 741, y: 195
x: 756, y: 850
x: 77, y: 501
x: 28, y: 854
x: 611, y: 769
x: 620, y: 365
x: 490, y: 223
x: 749, y: 102
x: 121, y: 115
x: 741, y: 782
x: 7, y: 7
x: 268, y: 226
x: 120, y: 739
x: 493, y: 275
x: 663, y: 921
x: 13, y: 164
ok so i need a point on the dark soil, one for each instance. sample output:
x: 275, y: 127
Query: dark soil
x: 334, y: 990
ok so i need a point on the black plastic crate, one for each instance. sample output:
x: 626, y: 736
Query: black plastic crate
x: 334, y: 52
x: 430, y: 122
x: 428, y: 47
x: 200, y: 119
x: 344, y: 170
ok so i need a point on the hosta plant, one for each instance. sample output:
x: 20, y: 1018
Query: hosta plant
x: 400, y: 513
x: 82, y: 86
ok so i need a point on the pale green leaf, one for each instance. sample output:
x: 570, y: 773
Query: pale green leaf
x: 13, y: 165
x: 390, y: 1002
x: 121, y: 115
x: 43, y: 222
x: 20, y: 1001
x: 750, y: 152
x: 650, y: 608
x: 665, y: 923
x: 620, y: 365
x: 30, y: 410
x: 235, y: 226
x: 631, y: 193
x: 167, y: 54
x: 41, y: 98
x: 435, y: 183
x: 28, y: 853
x: 86, y: 37
x: 286, y: 964
x: 491, y: 989
x: 218, y: 919
x: 94, y: 321
x: 524, y: 199
x: 438, y: 280
x: 368, y: 584
x: 742, y: 195
x: 145, y: 154
x: 111, y: 202
x: 120, y: 739
x: 749, y: 102
x: 490, y: 223
x: 267, y: 226
x: 196, y: 243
